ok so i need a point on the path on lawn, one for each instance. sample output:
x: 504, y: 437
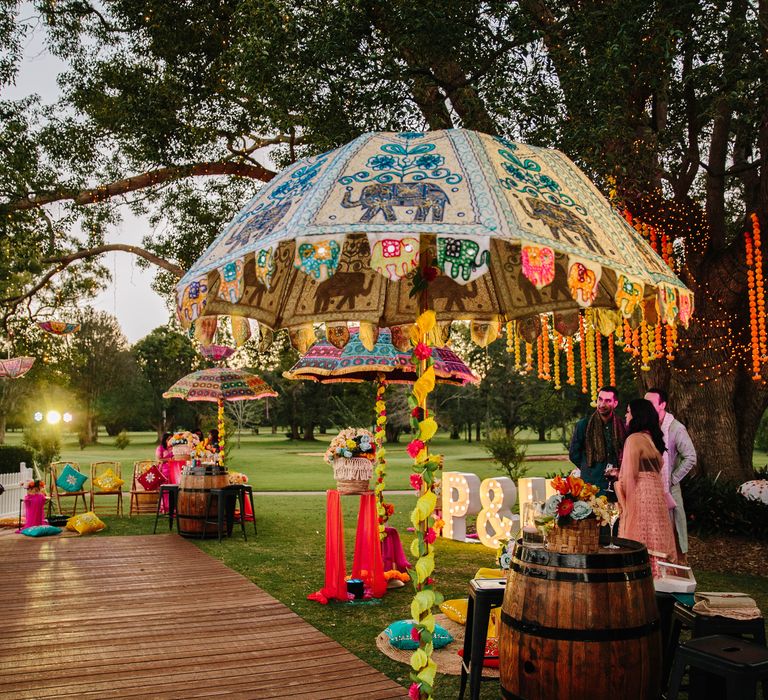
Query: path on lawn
x: 154, y: 616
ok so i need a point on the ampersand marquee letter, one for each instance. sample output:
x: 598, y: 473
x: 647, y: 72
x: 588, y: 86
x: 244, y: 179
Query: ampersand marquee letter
x: 495, y: 521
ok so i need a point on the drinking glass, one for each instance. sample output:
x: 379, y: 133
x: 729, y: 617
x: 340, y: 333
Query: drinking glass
x: 533, y: 537
x: 613, y: 512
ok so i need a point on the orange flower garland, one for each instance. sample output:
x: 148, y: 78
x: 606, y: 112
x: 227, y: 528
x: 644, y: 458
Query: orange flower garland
x: 569, y: 363
x: 583, y: 354
x: 540, y: 356
x: 759, y: 288
x: 611, y: 362
x: 384, y: 510
x: 670, y: 336
x: 528, y: 357
x: 545, y: 372
x: 599, y: 356
x: 557, y: 342
x: 591, y: 360
x: 753, y: 322
x: 659, y: 342
x: 627, y: 336
x: 643, y: 341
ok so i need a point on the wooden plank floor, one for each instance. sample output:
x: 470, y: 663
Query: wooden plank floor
x: 155, y: 617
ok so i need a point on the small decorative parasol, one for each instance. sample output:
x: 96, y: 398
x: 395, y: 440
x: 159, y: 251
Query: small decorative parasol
x: 324, y: 362
x: 220, y: 384
x: 15, y: 367
x: 216, y: 353
x: 59, y: 327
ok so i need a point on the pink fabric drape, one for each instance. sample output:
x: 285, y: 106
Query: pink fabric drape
x: 392, y: 551
x: 34, y: 504
x: 335, y: 587
x: 368, y: 564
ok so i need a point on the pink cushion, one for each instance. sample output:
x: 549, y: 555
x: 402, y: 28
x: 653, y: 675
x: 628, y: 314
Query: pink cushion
x: 491, y: 657
x: 151, y: 479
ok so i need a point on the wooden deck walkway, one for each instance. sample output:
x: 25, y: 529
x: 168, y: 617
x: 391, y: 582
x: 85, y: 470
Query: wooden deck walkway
x: 155, y: 617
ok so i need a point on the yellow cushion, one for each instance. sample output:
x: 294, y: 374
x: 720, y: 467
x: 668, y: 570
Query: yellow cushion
x: 10, y: 522
x: 456, y: 610
x: 108, y: 481
x: 85, y: 523
x: 490, y: 573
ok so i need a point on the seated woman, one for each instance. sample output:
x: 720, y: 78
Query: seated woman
x: 644, y: 510
x: 213, y: 439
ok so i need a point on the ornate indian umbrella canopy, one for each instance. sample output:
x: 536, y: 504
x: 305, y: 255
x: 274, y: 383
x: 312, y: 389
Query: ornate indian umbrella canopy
x: 220, y: 384
x: 324, y: 362
x: 15, y: 367
x: 515, y: 230
x: 59, y: 327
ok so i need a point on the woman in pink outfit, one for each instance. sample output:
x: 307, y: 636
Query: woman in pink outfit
x: 644, y: 510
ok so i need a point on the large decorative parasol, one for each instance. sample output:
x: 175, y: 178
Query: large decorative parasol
x: 220, y: 384
x: 15, y: 367
x: 216, y: 353
x: 324, y: 362
x: 413, y: 230
x: 59, y: 327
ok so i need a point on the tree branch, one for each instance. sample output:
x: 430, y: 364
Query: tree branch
x: 138, y: 182
x: 60, y: 262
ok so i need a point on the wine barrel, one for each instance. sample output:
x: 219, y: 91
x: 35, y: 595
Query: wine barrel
x: 194, y: 486
x: 580, y: 626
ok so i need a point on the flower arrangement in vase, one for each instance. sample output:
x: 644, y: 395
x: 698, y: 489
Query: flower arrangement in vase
x: 207, y: 452
x: 576, y: 513
x: 352, y: 453
x: 182, y: 444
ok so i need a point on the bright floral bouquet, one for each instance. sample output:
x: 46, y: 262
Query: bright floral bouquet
x: 576, y: 500
x: 206, y: 451
x: 183, y: 443
x: 34, y: 486
x: 351, y: 443
x: 238, y: 478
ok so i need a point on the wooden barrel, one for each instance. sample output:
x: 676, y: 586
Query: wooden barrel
x: 579, y: 626
x: 194, y: 486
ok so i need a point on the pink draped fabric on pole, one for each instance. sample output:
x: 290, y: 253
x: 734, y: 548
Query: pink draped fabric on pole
x: 368, y: 564
x: 392, y: 551
x: 335, y: 587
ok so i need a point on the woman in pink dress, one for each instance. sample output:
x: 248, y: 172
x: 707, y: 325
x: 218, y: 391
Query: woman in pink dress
x: 163, y: 454
x: 644, y: 510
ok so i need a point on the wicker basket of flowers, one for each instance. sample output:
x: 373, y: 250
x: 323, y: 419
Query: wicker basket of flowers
x: 352, y: 454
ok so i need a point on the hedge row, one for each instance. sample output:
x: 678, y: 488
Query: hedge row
x: 12, y: 455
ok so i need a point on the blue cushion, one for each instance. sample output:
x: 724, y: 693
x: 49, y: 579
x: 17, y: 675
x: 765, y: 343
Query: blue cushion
x: 70, y: 479
x: 399, y: 634
x: 41, y: 531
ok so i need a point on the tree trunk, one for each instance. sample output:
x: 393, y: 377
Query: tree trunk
x: 392, y: 434
x: 309, y: 432
x: 2, y: 429
x: 477, y: 432
x: 542, y: 434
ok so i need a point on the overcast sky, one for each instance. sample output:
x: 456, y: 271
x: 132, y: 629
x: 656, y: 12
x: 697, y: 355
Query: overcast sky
x: 128, y: 296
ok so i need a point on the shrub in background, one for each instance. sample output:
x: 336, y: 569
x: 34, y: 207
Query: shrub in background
x: 12, y: 455
x: 45, y: 440
x: 122, y: 440
x: 508, y: 452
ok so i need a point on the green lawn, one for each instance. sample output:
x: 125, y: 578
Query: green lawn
x: 274, y: 463
x: 286, y: 558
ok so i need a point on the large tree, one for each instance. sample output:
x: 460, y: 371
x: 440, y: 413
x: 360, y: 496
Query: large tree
x: 665, y: 102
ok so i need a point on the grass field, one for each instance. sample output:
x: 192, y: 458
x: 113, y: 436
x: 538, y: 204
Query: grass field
x: 287, y: 556
x: 274, y: 463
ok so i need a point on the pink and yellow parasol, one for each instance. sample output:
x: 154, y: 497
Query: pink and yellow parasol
x: 220, y: 384
x: 59, y: 327
x: 15, y: 367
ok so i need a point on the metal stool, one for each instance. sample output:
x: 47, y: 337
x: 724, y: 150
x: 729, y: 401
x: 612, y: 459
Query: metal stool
x: 226, y: 498
x: 706, y: 625
x: 739, y: 663
x: 173, y: 495
x: 248, y: 491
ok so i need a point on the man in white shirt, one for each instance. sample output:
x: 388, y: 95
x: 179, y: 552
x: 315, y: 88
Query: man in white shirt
x: 679, y: 459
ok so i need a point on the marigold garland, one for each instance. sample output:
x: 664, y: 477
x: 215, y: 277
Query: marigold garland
x: 583, y: 354
x: 222, y: 430
x: 659, y: 342
x: 528, y: 356
x: 426, y: 470
x: 611, y: 362
x: 384, y: 510
x: 569, y: 363
x: 627, y: 336
x: 643, y: 346
x: 670, y: 336
x: 591, y: 361
x: 599, y: 356
x: 636, y: 342
x: 546, y: 371
x: 557, y: 340
x: 759, y: 287
x: 518, y: 360
x: 540, y: 356
x: 753, y: 322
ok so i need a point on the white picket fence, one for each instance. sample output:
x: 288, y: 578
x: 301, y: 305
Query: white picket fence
x: 14, y: 491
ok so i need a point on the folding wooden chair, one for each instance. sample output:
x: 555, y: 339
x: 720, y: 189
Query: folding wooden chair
x: 142, y: 500
x: 97, y: 469
x: 58, y: 494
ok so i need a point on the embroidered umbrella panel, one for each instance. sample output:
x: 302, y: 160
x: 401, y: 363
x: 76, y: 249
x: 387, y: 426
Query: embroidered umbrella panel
x: 220, y: 384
